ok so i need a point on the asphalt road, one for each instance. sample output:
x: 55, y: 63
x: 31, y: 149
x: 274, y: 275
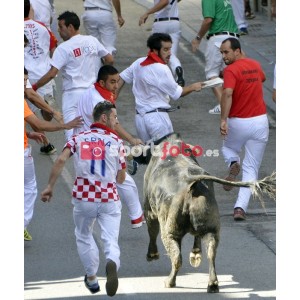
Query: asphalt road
x: 246, y: 257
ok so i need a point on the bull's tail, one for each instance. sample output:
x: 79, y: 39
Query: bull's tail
x: 266, y: 185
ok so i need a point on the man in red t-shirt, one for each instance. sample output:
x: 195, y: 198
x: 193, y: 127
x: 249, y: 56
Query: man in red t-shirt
x: 244, y: 122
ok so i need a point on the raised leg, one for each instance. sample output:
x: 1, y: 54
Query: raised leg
x: 196, y: 253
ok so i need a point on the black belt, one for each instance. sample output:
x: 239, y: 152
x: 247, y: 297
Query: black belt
x: 166, y: 19
x: 161, y: 110
x: 223, y: 33
x: 96, y: 8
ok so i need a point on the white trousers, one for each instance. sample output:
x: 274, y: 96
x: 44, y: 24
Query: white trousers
x: 238, y: 7
x: 153, y: 126
x: 69, y: 107
x: 30, y: 187
x: 108, y: 217
x: 101, y: 25
x: 129, y: 194
x: 252, y: 134
x: 173, y: 29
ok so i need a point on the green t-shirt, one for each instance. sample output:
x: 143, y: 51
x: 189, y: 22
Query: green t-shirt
x: 221, y: 13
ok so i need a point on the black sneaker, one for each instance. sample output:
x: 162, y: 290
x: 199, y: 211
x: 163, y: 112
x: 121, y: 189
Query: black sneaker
x: 179, y: 73
x: 132, y: 166
x: 93, y: 288
x: 112, y: 278
x: 47, y: 150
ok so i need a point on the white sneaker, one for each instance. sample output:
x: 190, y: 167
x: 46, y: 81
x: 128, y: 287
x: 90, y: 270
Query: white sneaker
x: 216, y: 110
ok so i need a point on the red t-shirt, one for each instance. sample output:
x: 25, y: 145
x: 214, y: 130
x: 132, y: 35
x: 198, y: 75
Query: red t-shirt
x: 245, y: 76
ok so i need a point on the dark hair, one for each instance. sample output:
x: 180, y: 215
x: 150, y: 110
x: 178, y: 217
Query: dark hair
x: 26, y: 8
x: 26, y: 41
x: 234, y: 43
x: 100, y: 108
x: 154, y: 40
x: 70, y: 18
x: 105, y: 71
x: 25, y: 71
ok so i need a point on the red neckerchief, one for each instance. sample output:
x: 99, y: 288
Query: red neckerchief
x: 152, y: 58
x: 104, y: 127
x: 106, y: 94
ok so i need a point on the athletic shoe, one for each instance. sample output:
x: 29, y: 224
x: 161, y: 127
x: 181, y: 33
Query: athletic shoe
x: 179, y: 73
x: 112, y: 278
x: 93, y: 288
x: 239, y: 214
x: 216, y: 110
x: 27, y: 236
x: 249, y: 16
x: 132, y: 166
x: 234, y: 170
x: 47, y: 150
x: 243, y: 31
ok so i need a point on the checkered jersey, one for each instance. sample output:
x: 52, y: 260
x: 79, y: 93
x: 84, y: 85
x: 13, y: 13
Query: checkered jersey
x: 98, y: 156
x: 95, y: 192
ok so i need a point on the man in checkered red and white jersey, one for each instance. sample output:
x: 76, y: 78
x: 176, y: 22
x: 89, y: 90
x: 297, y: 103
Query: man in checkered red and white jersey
x: 99, y: 159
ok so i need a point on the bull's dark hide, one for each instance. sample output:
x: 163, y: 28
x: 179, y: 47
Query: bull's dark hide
x: 176, y: 205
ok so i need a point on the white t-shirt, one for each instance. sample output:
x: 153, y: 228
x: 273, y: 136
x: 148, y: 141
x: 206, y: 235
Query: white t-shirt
x: 105, y: 4
x: 170, y: 10
x: 85, y: 107
x: 79, y: 60
x: 153, y: 85
x: 37, y: 53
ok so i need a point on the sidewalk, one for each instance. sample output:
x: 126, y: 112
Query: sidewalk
x: 260, y: 44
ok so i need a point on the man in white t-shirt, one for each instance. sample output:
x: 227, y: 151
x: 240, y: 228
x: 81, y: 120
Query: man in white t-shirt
x: 167, y: 21
x: 105, y: 90
x: 79, y: 59
x: 38, y: 48
x: 153, y: 88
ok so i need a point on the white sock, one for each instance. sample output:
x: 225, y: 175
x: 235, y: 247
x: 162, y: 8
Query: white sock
x: 92, y: 281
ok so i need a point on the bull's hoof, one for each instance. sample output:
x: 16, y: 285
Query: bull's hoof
x: 169, y: 284
x: 152, y: 256
x: 214, y: 288
x: 195, y: 259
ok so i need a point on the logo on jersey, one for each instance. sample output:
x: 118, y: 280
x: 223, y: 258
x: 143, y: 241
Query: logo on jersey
x: 92, y: 150
x: 77, y: 52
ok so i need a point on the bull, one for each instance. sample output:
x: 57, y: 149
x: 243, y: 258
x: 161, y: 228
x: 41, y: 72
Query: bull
x: 179, y: 198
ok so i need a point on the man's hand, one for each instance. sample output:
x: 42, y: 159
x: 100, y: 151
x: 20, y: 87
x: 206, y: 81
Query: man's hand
x: 143, y: 19
x: 121, y: 21
x: 135, y: 141
x: 195, y: 44
x: 223, y: 128
x: 46, y: 194
x: 37, y: 136
x: 77, y: 122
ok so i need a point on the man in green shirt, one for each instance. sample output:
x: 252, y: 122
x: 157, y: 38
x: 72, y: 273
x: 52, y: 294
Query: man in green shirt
x: 218, y: 24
